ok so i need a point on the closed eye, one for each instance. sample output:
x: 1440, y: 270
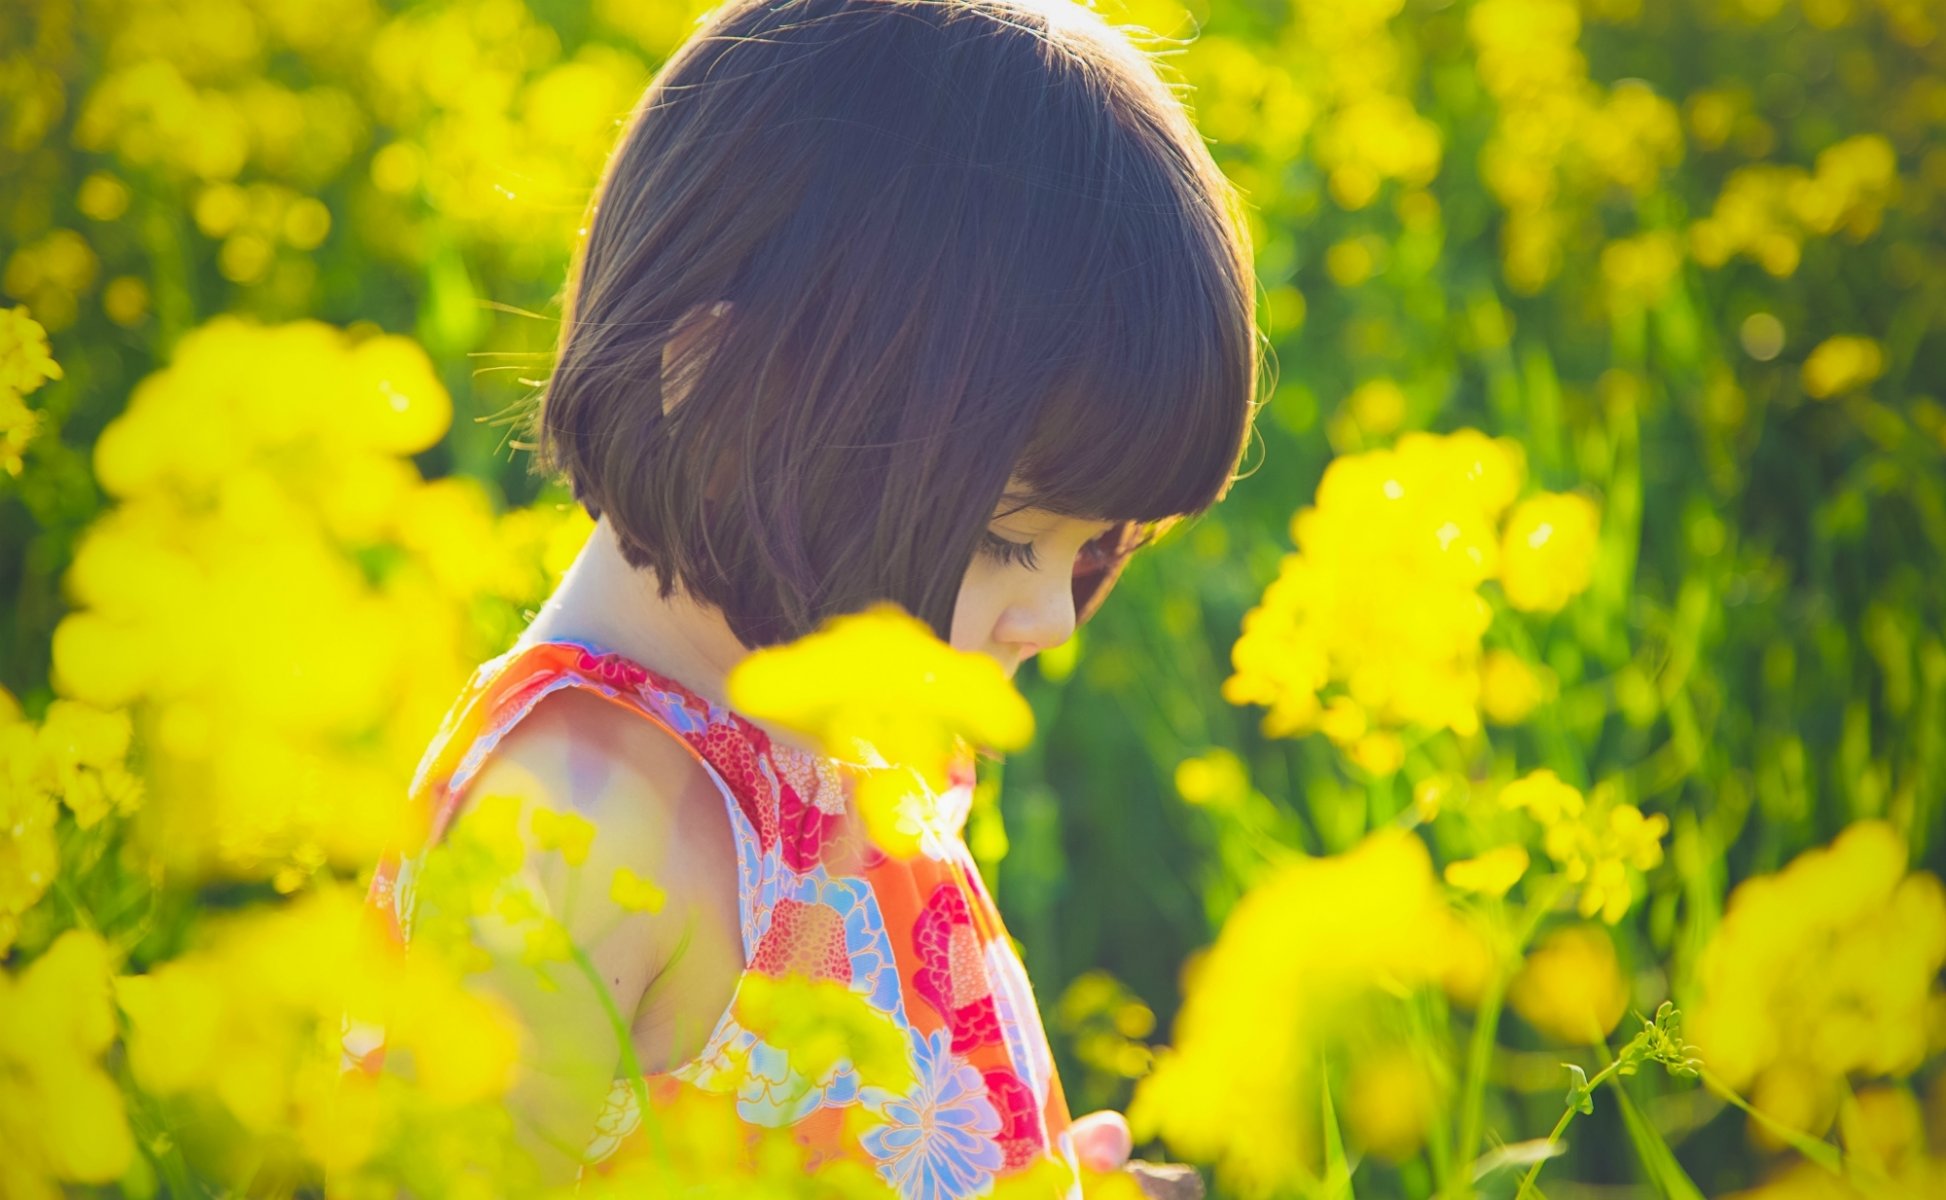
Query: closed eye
x: 1007, y: 552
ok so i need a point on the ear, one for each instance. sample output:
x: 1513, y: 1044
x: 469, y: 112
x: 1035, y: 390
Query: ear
x: 688, y: 350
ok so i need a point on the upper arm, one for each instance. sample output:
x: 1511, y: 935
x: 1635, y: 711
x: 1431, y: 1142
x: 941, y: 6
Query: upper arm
x: 578, y: 753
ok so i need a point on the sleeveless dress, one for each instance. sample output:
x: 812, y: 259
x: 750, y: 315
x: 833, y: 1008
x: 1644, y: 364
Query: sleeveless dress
x: 920, y: 939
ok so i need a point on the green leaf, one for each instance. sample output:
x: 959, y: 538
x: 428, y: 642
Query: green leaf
x: 1657, y: 1158
x: 1578, y: 1096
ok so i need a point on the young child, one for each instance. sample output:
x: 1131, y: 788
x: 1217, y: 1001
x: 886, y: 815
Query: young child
x: 942, y: 302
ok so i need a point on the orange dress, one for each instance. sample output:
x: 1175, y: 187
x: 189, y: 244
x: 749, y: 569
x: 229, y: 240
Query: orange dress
x: 918, y: 938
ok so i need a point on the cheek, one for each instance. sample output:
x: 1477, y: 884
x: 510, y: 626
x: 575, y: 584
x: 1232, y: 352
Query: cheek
x: 976, y: 610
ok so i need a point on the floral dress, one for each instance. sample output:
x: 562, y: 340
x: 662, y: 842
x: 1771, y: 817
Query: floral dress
x: 919, y: 939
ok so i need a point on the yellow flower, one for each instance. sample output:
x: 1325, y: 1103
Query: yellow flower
x: 881, y: 679
x: 1391, y: 1104
x: 878, y: 690
x: 1493, y: 873
x: 823, y: 1024
x: 1548, y: 551
x: 29, y: 854
x: 1374, y: 623
x: 1823, y: 971
x: 1842, y: 364
x: 635, y: 893
x: 61, y: 1114
x: 1542, y: 794
x: 1510, y: 689
x: 25, y: 361
x: 1214, y: 779
x: 1239, y: 1085
x: 570, y: 833
x: 1571, y: 986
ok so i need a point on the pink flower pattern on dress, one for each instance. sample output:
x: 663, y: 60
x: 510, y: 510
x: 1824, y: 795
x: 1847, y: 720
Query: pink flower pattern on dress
x: 953, y: 975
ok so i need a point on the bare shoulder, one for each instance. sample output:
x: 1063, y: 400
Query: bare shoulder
x: 655, y: 809
x: 596, y: 758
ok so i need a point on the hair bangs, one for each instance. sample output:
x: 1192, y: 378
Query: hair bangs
x: 1147, y: 417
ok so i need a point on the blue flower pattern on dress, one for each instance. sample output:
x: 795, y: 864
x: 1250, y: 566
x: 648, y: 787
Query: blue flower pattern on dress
x: 936, y: 1142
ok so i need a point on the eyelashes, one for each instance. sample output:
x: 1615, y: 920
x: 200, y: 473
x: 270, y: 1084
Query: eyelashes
x: 1008, y: 552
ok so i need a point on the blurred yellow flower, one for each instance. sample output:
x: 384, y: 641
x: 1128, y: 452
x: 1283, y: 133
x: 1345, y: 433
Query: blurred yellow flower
x: 61, y: 1113
x: 822, y: 1025
x: 1239, y: 1085
x: 1544, y: 797
x: 1493, y: 873
x: 884, y: 680
x: 1548, y: 553
x: 279, y: 590
x: 1824, y: 971
x: 1842, y: 364
x: 879, y: 691
x: 1510, y: 688
x: 570, y: 833
x: 635, y: 893
x: 1391, y: 1103
x: 1216, y: 778
x: 29, y: 855
x: 1571, y: 986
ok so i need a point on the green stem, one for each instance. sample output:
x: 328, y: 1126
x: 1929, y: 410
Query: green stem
x: 1561, y: 1127
x: 1486, y: 1025
x: 630, y: 1062
x: 1819, y: 1152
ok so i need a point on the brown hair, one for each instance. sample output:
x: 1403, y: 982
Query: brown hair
x: 959, y: 241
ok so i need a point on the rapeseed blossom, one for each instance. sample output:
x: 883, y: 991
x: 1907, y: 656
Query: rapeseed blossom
x: 1596, y: 846
x: 1571, y: 986
x: 283, y: 603
x: 1823, y: 972
x: 74, y: 758
x: 248, y: 1021
x: 880, y: 691
x: 25, y: 364
x: 62, y: 1118
x: 1375, y: 625
x: 1302, y: 959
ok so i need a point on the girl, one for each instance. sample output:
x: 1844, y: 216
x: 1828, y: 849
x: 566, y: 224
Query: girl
x: 942, y: 302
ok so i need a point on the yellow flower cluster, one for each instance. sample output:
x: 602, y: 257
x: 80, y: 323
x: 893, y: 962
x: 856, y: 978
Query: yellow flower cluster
x: 1766, y: 210
x: 1558, y: 134
x: 500, y: 132
x: 51, y: 273
x: 880, y: 691
x: 1369, y: 131
x: 1375, y: 622
x: 25, y: 364
x: 250, y: 1021
x: 75, y: 757
x: 1596, y: 846
x: 291, y: 606
x: 1824, y: 971
x: 1300, y: 964
x: 62, y: 1118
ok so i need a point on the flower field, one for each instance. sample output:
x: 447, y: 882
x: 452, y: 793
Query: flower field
x: 1530, y: 780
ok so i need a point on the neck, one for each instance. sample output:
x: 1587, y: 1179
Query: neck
x: 605, y: 601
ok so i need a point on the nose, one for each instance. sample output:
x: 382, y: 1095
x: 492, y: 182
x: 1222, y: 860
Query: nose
x: 1039, y: 621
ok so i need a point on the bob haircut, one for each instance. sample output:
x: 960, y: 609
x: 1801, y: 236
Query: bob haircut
x: 935, y: 246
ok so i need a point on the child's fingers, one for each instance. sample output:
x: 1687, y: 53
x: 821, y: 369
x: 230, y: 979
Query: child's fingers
x: 1102, y: 1141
